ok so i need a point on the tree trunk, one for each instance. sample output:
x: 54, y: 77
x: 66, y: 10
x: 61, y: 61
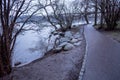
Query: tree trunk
x: 86, y: 19
x: 111, y: 25
x: 96, y: 10
x: 101, y: 21
x: 5, y: 59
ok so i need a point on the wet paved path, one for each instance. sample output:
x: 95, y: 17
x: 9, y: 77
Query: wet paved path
x: 103, y: 56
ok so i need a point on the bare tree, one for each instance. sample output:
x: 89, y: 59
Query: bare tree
x: 58, y: 13
x: 85, y: 10
x: 61, y: 14
x: 110, y: 10
x: 10, y: 12
x: 96, y: 11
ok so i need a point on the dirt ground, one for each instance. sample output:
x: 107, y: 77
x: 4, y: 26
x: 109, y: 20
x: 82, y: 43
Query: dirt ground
x: 62, y: 66
x: 65, y: 65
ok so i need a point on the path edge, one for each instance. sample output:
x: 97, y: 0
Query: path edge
x: 82, y: 71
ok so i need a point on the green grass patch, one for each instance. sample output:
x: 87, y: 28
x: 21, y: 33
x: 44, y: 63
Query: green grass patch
x: 118, y: 26
x: 104, y: 26
x: 98, y: 26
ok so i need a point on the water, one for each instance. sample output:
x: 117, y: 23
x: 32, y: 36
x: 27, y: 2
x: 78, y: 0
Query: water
x: 32, y: 44
x: 28, y: 45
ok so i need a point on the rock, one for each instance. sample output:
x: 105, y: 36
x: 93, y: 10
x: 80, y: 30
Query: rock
x: 73, y: 26
x: 55, y: 33
x: 63, y: 44
x: 58, y: 27
x: 68, y: 46
x: 61, y: 34
x: 77, y: 35
x: 58, y: 33
x: 17, y: 63
x: 58, y: 49
x: 68, y: 34
x: 74, y: 40
x: 64, y: 39
x: 78, y: 43
x: 80, y: 39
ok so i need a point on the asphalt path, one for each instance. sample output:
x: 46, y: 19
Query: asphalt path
x: 103, y: 56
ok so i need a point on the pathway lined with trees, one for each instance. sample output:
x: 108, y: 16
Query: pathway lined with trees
x: 103, y: 54
x: 12, y: 10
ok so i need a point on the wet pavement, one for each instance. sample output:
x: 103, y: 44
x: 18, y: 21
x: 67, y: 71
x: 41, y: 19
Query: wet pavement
x: 103, y: 56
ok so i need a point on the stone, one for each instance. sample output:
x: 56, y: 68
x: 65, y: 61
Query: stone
x: 55, y: 33
x: 78, y: 43
x: 77, y: 35
x: 68, y: 34
x: 63, y: 44
x: 58, y: 27
x: 58, y: 33
x: 58, y: 49
x: 61, y: 34
x: 74, y: 40
x: 17, y: 63
x: 64, y: 39
x: 73, y: 26
x: 68, y: 46
x: 80, y: 39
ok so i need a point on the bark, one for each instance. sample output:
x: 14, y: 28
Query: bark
x: 101, y: 22
x: 110, y: 11
x: 5, y: 58
x: 96, y: 10
x: 86, y: 19
x: 7, y: 26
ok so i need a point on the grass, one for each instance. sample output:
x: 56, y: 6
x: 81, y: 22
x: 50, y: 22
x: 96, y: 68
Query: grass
x: 118, y: 26
x: 105, y: 26
x: 98, y: 26
x: 115, y: 34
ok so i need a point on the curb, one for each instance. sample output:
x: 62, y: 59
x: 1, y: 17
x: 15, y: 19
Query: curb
x: 82, y: 71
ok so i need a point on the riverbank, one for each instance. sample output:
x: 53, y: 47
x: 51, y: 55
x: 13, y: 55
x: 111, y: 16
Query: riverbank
x: 64, y: 65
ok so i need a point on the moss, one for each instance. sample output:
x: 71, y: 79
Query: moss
x: 118, y: 26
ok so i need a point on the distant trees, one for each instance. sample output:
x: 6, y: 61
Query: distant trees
x: 64, y: 16
x: 61, y: 14
x: 95, y: 6
x: 10, y: 12
x: 110, y: 10
x: 85, y: 10
x: 82, y: 9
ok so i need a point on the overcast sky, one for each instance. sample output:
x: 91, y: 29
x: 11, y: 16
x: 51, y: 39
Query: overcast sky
x: 67, y: 2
